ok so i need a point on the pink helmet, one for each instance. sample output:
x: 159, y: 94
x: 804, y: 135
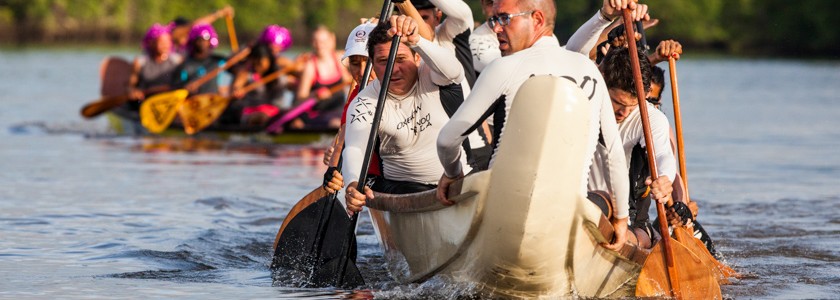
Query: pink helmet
x: 204, y: 31
x: 276, y: 35
x: 154, y: 33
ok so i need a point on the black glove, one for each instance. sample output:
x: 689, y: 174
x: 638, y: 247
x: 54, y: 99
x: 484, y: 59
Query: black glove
x: 328, y: 176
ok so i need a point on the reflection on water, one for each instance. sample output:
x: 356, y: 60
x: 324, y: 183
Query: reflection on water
x: 84, y: 212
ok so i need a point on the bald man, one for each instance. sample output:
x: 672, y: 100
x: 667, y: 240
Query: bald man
x: 524, y: 31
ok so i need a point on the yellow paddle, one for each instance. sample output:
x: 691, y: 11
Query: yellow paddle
x: 200, y: 111
x: 157, y: 112
x: 234, y: 45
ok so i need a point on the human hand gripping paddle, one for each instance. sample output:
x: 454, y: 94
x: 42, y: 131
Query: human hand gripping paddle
x: 200, y: 111
x: 158, y: 111
x: 689, y: 279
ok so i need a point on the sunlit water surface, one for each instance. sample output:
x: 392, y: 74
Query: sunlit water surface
x: 86, y: 214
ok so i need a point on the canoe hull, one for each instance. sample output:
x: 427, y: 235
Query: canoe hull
x: 526, y: 230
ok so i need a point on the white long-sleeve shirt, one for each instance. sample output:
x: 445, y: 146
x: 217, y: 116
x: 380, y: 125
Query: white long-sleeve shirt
x: 585, y: 38
x: 632, y: 134
x: 459, y: 19
x: 495, y: 90
x: 484, y: 46
x: 410, y: 123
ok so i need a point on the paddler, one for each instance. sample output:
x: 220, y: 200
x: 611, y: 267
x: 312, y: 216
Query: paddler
x: 200, y: 61
x: 618, y: 75
x: 322, y: 73
x: 154, y: 68
x: 413, y: 115
x: 524, y: 30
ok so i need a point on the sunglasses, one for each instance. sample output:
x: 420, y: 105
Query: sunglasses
x: 504, y: 18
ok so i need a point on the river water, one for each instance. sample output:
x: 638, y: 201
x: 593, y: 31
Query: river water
x: 88, y: 214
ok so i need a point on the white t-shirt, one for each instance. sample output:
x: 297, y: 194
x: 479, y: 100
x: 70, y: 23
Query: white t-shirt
x: 495, y: 90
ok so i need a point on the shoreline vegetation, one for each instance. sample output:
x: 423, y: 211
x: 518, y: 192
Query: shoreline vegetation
x: 766, y: 28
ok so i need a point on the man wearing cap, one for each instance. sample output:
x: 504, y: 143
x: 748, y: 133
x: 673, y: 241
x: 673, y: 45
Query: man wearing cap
x: 524, y: 29
x: 200, y: 60
x: 414, y: 112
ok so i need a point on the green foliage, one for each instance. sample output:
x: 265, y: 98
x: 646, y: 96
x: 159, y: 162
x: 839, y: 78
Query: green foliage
x: 799, y: 28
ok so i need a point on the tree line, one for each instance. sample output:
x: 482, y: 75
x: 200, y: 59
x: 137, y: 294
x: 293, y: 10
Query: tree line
x: 804, y: 28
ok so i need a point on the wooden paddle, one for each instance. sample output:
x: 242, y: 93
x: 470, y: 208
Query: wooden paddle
x: 114, y: 74
x: 234, y: 44
x: 101, y: 105
x: 682, y: 234
x: 654, y: 281
x: 200, y: 111
x: 157, y: 112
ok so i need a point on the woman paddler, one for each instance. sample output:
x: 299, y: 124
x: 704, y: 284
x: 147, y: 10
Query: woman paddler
x: 154, y: 68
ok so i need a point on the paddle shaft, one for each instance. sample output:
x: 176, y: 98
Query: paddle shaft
x: 675, y: 93
x: 387, y: 8
x: 234, y: 44
x: 264, y: 80
x: 212, y: 74
x: 374, y: 128
x: 651, y: 153
x: 104, y: 104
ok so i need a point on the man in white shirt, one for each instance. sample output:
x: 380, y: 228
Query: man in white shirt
x: 416, y: 108
x: 618, y: 75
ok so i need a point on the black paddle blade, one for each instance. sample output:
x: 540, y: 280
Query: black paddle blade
x: 327, y: 271
x: 314, y: 255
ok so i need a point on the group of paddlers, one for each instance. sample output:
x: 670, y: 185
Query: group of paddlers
x: 449, y: 92
x: 177, y: 54
x: 445, y: 111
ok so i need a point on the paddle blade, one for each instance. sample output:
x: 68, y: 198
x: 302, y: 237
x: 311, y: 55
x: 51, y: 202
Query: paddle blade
x: 201, y: 111
x: 114, y: 73
x: 315, y: 255
x: 722, y: 272
x: 102, y: 105
x: 158, y: 111
x: 696, y: 279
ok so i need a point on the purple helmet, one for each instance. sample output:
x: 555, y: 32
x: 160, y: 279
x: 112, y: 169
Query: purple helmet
x: 204, y: 31
x: 154, y: 33
x: 275, y: 35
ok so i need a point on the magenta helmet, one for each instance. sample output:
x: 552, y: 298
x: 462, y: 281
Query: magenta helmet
x: 275, y: 35
x: 204, y: 31
x: 154, y: 33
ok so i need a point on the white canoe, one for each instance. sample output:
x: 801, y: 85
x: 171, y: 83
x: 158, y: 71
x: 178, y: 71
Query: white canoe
x: 521, y: 228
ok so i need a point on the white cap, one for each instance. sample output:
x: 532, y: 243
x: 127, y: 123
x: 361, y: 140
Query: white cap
x: 357, y: 41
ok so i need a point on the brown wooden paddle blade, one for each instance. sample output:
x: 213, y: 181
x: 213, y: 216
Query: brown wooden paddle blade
x: 696, y: 279
x: 102, y: 105
x: 722, y: 271
x: 201, y: 111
